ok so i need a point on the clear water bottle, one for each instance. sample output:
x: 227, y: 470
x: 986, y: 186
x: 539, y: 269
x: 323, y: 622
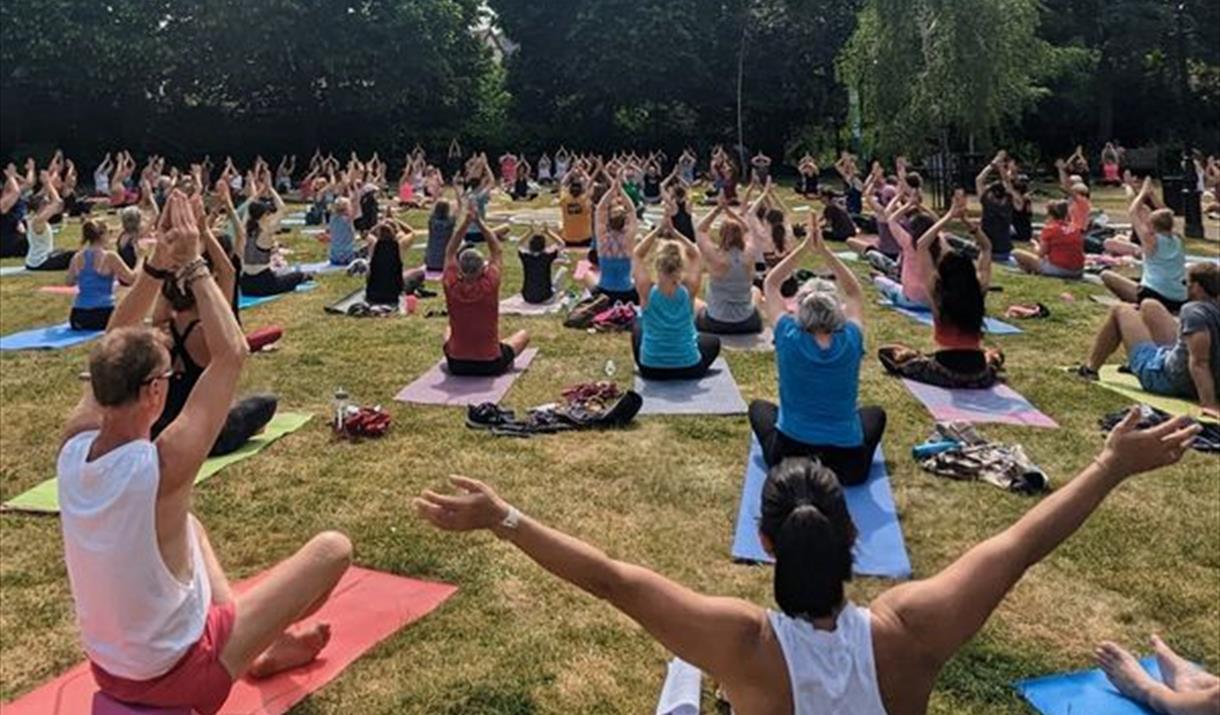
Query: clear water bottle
x: 610, y: 369
x: 339, y: 404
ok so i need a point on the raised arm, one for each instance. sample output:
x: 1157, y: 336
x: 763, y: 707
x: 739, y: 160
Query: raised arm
x: 640, y: 271
x: 775, y: 304
x: 185, y: 443
x: 459, y: 232
x: 1138, y: 212
x: 931, y: 619
x: 849, y: 285
x: 713, y: 634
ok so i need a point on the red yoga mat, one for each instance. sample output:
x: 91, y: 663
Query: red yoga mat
x: 365, y: 608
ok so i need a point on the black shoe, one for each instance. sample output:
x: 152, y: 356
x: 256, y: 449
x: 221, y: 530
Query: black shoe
x: 487, y: 416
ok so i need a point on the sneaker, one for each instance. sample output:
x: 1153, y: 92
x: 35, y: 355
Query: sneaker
x: 1084, y: 372
x: 487, y: 416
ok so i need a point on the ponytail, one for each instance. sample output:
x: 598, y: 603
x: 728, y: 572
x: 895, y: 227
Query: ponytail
x: 805, y: 518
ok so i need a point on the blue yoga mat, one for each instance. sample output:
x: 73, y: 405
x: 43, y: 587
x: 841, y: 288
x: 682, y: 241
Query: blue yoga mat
x: 924, y: 317
x: 251, y: 301
x: 319, y: 267
x: 880, y: 548
x: 49, y: 338
x: 1085, y: 691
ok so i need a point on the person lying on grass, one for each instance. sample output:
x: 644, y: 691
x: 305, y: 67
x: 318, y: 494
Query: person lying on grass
x: 1185, y: 689
x: 472, y: 296
x: 158, y: 620
x: 820, y: 652
x: 1178, y: 357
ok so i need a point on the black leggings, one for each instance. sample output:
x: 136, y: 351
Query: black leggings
x: 57, y: 261
x: 269, y: 282
x: 89, y: 318
x: 850, y: 464
x: 709, y: 350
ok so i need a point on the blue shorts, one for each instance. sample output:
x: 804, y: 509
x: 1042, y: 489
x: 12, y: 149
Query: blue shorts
x: 1147, y: 362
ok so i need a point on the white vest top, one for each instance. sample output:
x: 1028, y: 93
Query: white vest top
x: 832, y: 672
x: 136, y: 618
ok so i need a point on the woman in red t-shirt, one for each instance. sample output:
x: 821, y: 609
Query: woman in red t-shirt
x: 1060, y: 247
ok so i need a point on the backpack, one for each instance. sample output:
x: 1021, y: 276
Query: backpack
x: 613, y: 319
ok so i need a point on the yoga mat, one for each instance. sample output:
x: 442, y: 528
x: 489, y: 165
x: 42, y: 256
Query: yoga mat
x: 924, y: 317
x: 851, y: 256
x: 1083, y: 692
x: 365, y: 608
x: 438, y: 387
x: 52, y: 337
x: 715, y: 393
x: 313, y: 230
x: 1000, y: 404
x: 880, y: 548
x: 1196, y: 258
x: 11, y: 270
x: 763, y: 342
x: 682, y: 689
x: 582, y: 269
x: 292, y: 221
x: 1128, y: 386
x: 516, y: 305
x: 44, y: 498
x: 58, y: 290
x: 340, y: 306
x: 433, y: 275
x: 246, y: 302
x: 1104, y: 299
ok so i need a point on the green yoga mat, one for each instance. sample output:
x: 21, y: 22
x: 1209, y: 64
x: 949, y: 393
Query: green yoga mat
x: 1129, y: 386
x: 44, y: 498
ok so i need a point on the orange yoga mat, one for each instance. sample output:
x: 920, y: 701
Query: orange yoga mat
x: 365, y: 608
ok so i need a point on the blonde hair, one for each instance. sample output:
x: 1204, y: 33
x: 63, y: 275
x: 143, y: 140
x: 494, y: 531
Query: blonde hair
x: 343, y: 204
x: 1162, y: 220
x: 669, y: 259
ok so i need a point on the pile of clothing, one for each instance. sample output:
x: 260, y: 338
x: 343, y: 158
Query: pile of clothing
x: 597, y: 313
x: 956, y: 450
x: 597, y: 405
x: 1207, y: 441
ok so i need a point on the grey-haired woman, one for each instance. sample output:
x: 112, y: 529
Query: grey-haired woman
x: 818, y: 353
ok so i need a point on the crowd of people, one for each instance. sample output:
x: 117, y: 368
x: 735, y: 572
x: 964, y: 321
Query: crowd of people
x: 160, y: 394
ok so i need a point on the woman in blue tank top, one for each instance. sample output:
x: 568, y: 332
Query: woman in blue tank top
x: 93, y: 271
x: 616, y: 225
x: 664, y: 341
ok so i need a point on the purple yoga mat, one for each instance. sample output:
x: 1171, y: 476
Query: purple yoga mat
x: 1000, y: 404
x: 438, y: 387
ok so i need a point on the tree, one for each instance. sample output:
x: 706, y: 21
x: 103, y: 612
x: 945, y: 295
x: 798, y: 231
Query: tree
x: 927, y: 69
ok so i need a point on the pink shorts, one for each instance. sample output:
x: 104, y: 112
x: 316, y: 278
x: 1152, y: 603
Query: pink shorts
x: 198, y: 681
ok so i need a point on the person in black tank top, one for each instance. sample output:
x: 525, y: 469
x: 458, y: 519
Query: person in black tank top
x: 390, y: 241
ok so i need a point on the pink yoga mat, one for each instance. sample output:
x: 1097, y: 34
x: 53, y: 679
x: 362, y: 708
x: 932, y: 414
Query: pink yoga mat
x: 1000, y: 404
x: 365, y: 608
x: 58, y: 290
x: 438, y: 387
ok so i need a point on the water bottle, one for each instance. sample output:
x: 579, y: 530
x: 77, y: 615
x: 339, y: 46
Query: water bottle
x: 931, y: 449
x: 610, y: 369
x: 339, y: 404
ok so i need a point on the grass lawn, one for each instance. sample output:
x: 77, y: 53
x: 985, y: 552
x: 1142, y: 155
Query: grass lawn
x: 664, y: 493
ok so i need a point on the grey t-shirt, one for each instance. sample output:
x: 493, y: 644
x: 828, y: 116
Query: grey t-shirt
x: 1194, y: 317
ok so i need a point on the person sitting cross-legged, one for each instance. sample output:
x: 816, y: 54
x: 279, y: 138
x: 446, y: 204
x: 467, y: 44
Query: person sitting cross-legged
x: 158, y: 619
x: 818, y: 352
x: 818, y: 652
x: 1178, y: 357
x: 664, y: 341
x: 472, y: 295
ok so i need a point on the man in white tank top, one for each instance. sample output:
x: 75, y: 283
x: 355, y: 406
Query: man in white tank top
x: 158, y: 620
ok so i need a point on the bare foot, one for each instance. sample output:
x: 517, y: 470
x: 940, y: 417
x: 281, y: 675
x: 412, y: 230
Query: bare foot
x: 292, y: 649
x: 1125, y: 673
x: 1177, y: 672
